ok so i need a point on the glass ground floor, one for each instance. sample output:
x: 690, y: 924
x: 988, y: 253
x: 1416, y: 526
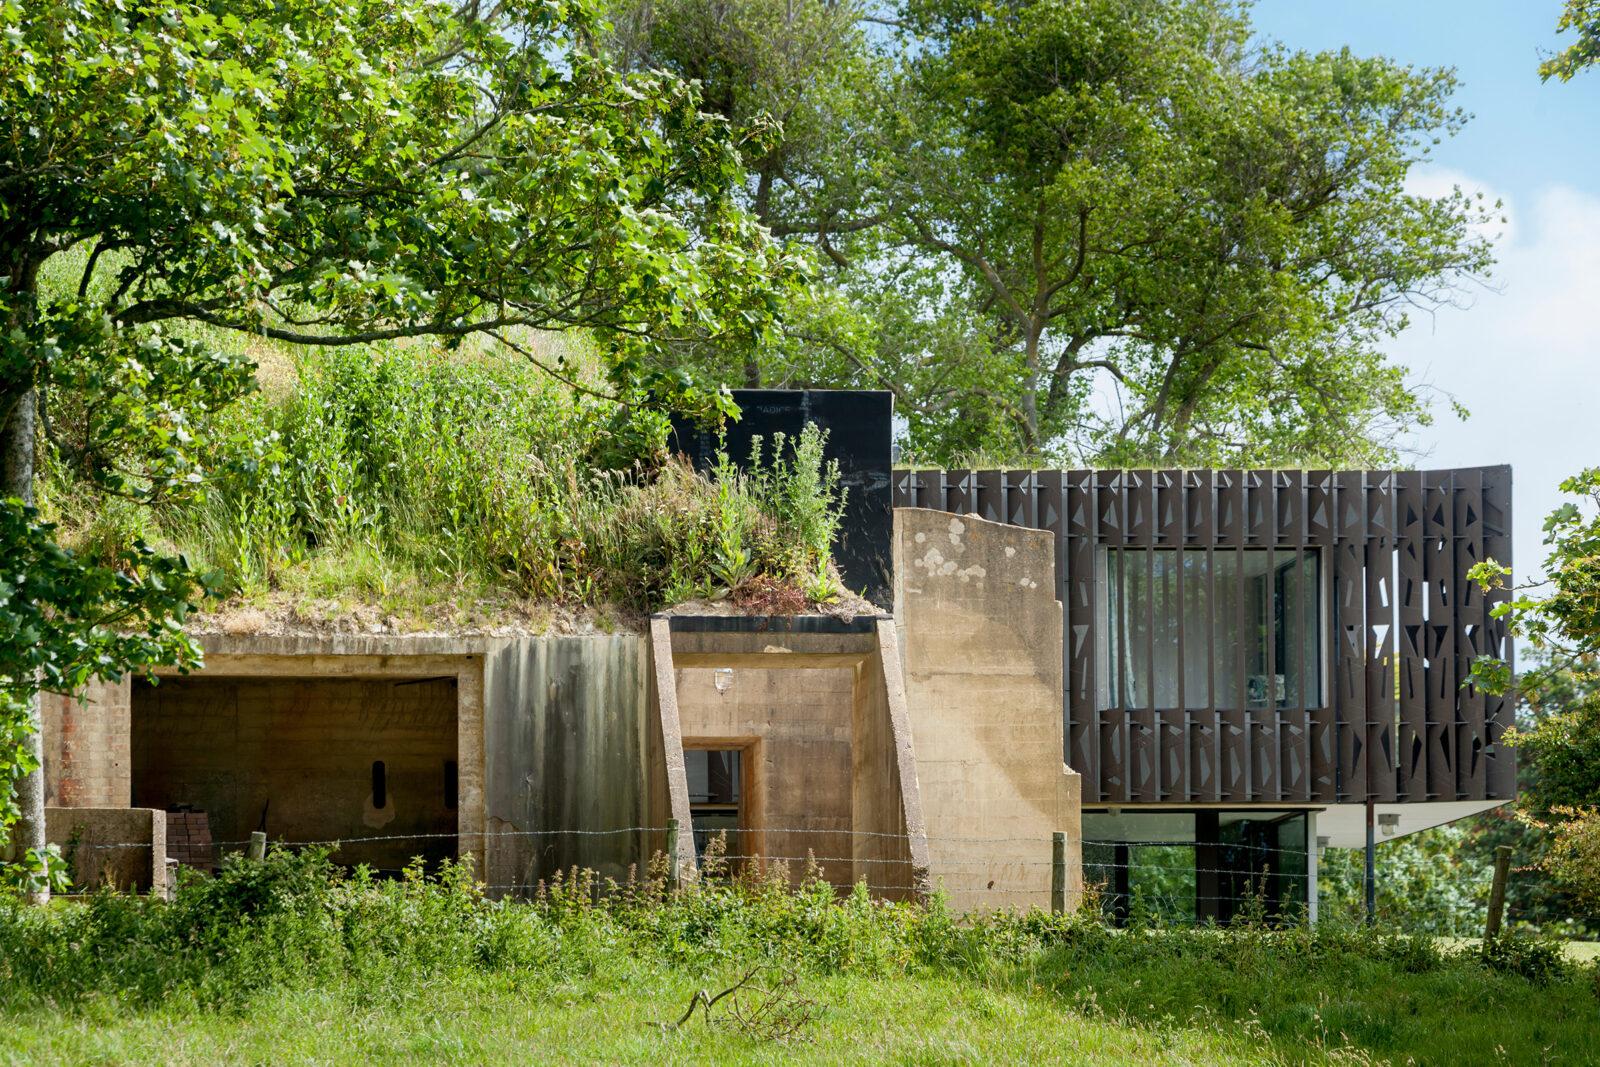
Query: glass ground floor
x: 1208, y: 865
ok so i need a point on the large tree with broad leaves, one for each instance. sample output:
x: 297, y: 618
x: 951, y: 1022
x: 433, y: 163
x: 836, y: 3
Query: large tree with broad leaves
x: 325, y: 172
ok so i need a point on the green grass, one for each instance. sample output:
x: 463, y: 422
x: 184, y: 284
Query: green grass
x: 1140, y: 1016
x: 289, y: 962
x: 613, y: 1019
x: 405, y: 481
x: 1579, y: 952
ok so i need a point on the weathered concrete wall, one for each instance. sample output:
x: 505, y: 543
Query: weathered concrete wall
x: 889, y: 846
x: 795, y: 725
x: 87, y: 760
x: 567, y: 732
x: 301, y: 753
x: 125, y: 848
x: 981, y: 636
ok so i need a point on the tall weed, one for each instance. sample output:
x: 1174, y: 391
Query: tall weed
x: 483, y: 471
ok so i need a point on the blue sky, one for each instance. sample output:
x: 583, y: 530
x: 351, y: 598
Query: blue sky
x: 1524, y: 356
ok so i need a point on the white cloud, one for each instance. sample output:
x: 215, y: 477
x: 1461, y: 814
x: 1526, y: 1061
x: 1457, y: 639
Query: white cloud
x: 1524, y: 358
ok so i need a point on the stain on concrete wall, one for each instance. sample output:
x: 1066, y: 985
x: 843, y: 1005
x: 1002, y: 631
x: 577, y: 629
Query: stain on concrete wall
x: 565, y: 721
x: 981, y: 637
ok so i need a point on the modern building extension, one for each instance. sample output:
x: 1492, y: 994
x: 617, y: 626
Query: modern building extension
x: 1253, y: 656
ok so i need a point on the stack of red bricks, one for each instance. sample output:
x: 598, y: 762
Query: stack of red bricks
x: 189, y: 839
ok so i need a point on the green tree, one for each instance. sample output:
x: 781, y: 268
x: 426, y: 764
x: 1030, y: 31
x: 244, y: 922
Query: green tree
x: 1131, y: 191
x: 1427, y: 882
x: 324, y: 172
x: 803, y: 87
x: 1558, y: 763
x: 1582, y: 16
x: 1559, y: 617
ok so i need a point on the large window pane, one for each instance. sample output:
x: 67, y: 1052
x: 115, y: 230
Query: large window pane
x: 1252, y: 625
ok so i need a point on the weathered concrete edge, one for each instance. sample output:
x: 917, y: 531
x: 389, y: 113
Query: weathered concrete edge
x: 888, y: 655
x: 666, y: 709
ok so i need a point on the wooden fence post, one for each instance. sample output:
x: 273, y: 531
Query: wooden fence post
x: 1058, y: 873
x: 1497, y: 892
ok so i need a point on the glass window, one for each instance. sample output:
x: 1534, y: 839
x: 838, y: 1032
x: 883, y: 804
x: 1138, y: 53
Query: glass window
x: 1253, y: 628
x: 1184, y: 867
x: 715, y: 801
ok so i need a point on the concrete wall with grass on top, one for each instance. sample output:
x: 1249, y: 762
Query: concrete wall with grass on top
x: 566, y: 723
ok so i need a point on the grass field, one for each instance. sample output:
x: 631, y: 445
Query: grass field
x: 285, y: 963
x: 901, y: 1020
x: 615, y: 1017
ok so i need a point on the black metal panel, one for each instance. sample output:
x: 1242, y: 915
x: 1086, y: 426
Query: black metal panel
x: 1471, y: 635
x: 1438, y: 561
x: 859, y: 424
x: 1411, y: 594
x: 1080, y: 559
x: 991, y: 501
x: 1321, y: 529
x: 1501, y: 772
x: 1350, y: 634
x: 1380, y: 616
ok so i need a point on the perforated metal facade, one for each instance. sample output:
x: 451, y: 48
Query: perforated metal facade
x: 1391, y: 718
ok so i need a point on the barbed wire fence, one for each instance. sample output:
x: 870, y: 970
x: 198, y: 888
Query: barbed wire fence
x: 994, y: 871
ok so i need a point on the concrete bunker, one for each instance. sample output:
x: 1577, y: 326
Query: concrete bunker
x: 373, y: 742
x: 789, y: 735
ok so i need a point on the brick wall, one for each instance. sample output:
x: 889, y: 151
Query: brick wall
x: 86, y: 747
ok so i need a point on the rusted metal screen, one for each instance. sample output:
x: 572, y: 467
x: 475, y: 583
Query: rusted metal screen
x: 1262, y: 636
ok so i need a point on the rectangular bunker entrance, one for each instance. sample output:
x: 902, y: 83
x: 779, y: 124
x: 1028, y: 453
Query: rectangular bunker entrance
x: 306, y: 759
x: 788, y: 737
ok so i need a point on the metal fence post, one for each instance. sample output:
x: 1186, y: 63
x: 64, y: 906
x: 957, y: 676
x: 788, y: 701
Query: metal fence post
x: 672, y: 853
x: 1058, y: 873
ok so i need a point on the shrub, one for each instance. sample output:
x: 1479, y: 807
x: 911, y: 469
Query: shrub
x: 1537, y: 959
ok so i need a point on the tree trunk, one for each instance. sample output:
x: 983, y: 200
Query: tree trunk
x: 16, y: 480
x: 1030, y: 394
x: 762, y: 209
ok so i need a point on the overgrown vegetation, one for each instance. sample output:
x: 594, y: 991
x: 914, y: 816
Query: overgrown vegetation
x: 389, y: 474
x: 322, y: 172
x: 437, y: 971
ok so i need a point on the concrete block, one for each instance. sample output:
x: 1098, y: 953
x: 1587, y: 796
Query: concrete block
x: 981, y: 634
x: 124, y: 848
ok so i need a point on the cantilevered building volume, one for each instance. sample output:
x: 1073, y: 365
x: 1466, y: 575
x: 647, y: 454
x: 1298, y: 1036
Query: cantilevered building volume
x: 1252, y: 656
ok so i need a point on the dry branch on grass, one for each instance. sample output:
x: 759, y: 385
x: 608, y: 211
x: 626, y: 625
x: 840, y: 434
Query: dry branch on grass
x: 765, y: 1013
